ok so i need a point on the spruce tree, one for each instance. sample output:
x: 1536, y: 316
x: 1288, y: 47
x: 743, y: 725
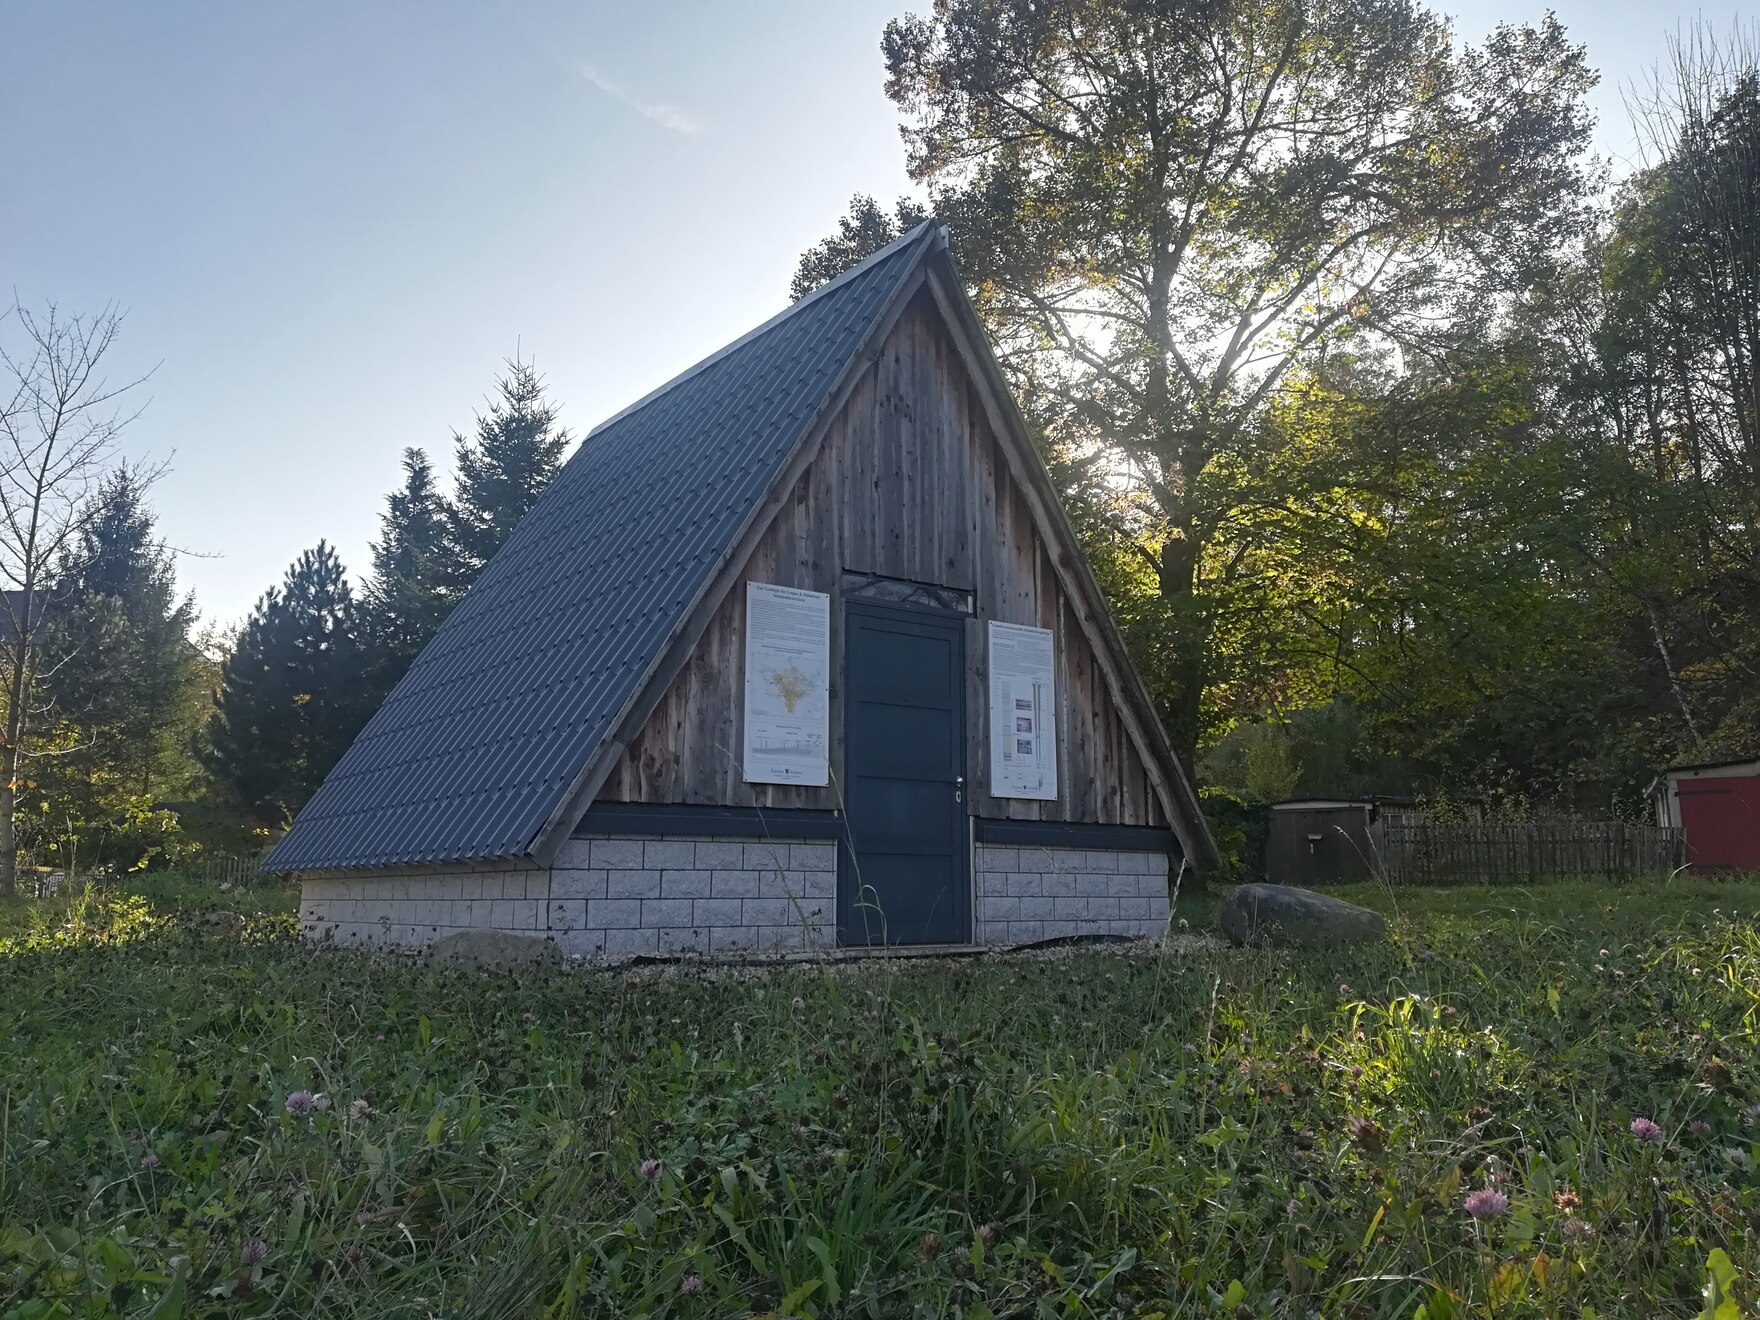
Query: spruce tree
x: 121, y: 679
x: 502, y: 470
x: 290, y: 698
x: 413, y: 585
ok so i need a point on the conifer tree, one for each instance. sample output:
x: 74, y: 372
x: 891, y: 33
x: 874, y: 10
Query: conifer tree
x: 502, y: 470
x: 290, y: 697
x: 413, y: 585
x: 120, y: 667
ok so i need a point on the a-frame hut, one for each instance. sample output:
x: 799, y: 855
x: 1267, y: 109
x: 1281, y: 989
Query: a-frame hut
x: 797, y: 652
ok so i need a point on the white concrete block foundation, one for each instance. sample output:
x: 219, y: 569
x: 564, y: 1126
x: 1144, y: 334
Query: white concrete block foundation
x: 1028, y: 894
x: 611, y: 897
x: 620, y: 897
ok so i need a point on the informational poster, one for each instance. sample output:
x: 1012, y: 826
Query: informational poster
x: 1023, y: 713
x: 788, y: 685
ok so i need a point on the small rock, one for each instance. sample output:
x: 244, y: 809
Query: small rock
x: 1281, y: 914
x: 494, y: 951
x: 221, y: 925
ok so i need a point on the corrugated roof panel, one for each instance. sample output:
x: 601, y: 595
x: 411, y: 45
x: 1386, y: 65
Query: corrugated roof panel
x: 475, y: 749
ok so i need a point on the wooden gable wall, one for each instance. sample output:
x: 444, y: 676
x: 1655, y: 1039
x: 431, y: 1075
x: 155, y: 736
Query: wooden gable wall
x: 910, y: 483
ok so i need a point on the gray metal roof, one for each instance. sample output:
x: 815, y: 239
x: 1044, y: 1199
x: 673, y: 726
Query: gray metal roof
x: 487, y: 735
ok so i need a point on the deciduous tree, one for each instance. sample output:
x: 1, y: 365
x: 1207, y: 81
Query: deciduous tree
x: 1163, y: 207
x: 60, y: 420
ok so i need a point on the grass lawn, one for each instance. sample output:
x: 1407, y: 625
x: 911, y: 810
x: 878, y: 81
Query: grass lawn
x: 192, y: 1125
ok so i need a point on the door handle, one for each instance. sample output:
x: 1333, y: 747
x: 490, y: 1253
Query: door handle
x: 959, y: 788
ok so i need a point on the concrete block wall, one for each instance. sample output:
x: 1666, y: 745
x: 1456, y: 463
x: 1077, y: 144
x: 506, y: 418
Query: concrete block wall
x: 1027, y: 894
x: 618, y: 896
x: 411, y: 908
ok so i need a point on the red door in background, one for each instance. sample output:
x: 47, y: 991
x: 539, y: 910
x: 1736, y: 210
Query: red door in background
x: 1722, y: 821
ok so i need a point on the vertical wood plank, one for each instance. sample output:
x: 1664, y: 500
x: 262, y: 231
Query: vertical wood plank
x: 909, y: 483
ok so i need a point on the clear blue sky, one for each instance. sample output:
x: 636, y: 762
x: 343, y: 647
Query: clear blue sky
x: 329, y: 222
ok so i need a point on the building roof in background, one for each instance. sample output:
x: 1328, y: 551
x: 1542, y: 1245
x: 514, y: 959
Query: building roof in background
x: 487, y: 736
x: 1741, y: 762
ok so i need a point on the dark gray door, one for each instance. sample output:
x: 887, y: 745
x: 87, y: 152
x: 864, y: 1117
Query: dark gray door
x: 905, y: 871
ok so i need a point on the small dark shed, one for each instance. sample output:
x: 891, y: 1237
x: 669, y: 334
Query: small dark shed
x: 1319, y: 841
x: 799, y: 651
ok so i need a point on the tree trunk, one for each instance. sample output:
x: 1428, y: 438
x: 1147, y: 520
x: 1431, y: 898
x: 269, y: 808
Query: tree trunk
x: 8, y: 835
x: 12, y: 753
x: 1179, y: 587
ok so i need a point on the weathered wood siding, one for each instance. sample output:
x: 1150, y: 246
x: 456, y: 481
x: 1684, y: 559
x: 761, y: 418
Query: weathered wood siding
x: 910, y: 484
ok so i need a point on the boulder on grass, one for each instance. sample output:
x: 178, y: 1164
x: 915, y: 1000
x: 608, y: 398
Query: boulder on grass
x: 494, y: 951
x: 1281, y: 914
x: 222, y: 925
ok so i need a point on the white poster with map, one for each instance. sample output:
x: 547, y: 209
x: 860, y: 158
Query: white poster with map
x: 788, y: 685
x: 1023, y: 713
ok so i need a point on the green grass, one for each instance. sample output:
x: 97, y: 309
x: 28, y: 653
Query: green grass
x: 1204, y: 1133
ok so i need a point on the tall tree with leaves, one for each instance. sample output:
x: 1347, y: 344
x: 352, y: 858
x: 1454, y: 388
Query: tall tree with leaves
x: 1164, y: 206
x: 60, y: 421
x: 1673, y: 372
x: 503, y: 468
x: 290, y: 698
x: 413, y: 584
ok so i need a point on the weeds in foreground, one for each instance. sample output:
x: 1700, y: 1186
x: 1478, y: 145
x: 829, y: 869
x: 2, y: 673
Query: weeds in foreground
x: 1525, y: 1105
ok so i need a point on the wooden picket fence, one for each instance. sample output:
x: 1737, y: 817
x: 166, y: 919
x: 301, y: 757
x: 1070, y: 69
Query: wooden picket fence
x: 1522, y: 852
x: 229, y: 869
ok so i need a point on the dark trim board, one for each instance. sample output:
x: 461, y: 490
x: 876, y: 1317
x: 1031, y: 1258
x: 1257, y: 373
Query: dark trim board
x: 652, y: 819
x: 1064, y: 834
x: 694, y: 821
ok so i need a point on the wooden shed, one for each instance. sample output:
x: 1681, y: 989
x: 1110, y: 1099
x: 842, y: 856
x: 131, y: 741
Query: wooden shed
x: 1716, y: 805
x: 797, y: 652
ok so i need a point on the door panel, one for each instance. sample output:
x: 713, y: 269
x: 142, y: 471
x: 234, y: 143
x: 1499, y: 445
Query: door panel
x: 905, y: 871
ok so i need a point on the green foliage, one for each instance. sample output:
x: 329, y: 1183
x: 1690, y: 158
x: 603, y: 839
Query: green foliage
x: 1356, y: 418
x: 123, y: 685
x: 290, y: 696
x: 860, y: 234
x: 1104, y: 1134
x: 1163, y: 211
x: 501, y: 471
x: 413, y: 585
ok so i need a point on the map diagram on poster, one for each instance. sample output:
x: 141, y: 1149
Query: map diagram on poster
x: 788, y: 685
x: 1023, y: 713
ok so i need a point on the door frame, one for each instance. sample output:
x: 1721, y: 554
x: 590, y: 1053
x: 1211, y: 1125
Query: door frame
x: 955, y: 622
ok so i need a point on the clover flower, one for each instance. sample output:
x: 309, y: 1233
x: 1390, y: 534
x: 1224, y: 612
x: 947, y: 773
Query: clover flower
x: 149, y: 1161
x: 691, y: 1284
x: 1486, y: 1204
x: 1365, y: 1134
x: 1646, y: 1130
x: 300, y: 1102
x: 254, y: 1253
x: 651, y: 1170
x: 1698, y: 1127
x: 1580, y: 1229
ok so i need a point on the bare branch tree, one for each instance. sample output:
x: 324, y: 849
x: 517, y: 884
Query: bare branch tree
x: 60, y: 422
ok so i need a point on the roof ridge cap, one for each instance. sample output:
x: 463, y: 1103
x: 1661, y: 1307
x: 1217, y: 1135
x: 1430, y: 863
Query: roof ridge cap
x: 930, y: 227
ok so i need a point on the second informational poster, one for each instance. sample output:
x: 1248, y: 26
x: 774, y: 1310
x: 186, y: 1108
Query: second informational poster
x: 788, y: 685
x: 1023, y: 713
